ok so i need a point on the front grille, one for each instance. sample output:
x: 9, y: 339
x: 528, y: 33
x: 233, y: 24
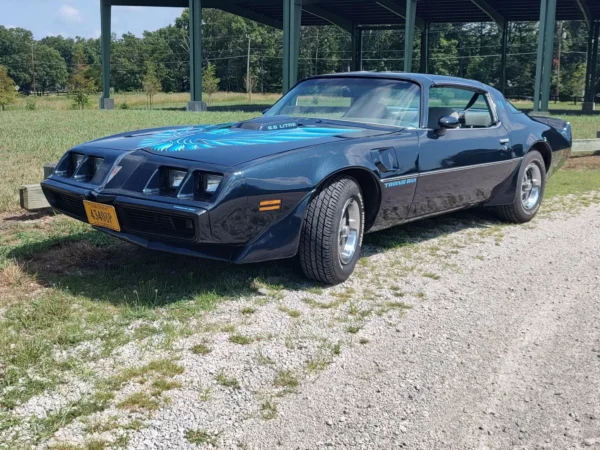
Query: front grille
x: 68, y: 203
x: 157, y: 224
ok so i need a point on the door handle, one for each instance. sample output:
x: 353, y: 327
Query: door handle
x: 504, y: 141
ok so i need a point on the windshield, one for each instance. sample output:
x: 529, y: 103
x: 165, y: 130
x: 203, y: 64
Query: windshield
x: 370, y: 100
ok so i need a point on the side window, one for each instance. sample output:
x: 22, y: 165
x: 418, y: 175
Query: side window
x: 471, y: 108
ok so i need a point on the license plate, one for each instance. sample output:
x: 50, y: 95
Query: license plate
x: 102, y: 215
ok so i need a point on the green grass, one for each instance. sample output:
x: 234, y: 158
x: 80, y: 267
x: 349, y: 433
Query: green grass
x: 286, y: 379
x: 239, y: 339
x: 71, y: 412
x: 201, y: 349
x: 201, y: 437
x: 161, y: 385
x: 139, y: 401
x: 293, y: 313
x: 138, y: 100
x: 229, y: 382
x: 353, y: 329
x: 566, y: 182
x: 268, y: 410
x: 161, y: 367
x: 248, y: 310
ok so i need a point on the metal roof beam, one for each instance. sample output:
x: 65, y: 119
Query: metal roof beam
x: 587, y: 15
x: 491, y: 12
x: 246, y: 13
x: 330, y: 17
x: 400, y: 10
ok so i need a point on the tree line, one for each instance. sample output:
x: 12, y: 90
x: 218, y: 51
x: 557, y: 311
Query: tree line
x: 160, y: 58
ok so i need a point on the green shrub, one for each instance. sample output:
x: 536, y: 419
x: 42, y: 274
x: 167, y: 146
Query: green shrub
x: 30, y: 104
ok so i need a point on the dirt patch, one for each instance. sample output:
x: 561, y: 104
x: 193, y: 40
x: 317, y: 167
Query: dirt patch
x: 79, y: 256
x: 12, y: 221
x: 591, y: 162
x: 16, y: 284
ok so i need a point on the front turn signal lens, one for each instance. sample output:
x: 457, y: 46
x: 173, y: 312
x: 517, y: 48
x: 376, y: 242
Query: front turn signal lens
x: 269, y: 205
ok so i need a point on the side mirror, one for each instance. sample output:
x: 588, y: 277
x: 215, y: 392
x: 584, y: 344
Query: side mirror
x: 447, y: 122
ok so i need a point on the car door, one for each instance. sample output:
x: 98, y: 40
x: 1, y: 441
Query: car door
x: 460, y: 167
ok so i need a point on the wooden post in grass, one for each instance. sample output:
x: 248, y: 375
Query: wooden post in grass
x: 585, y: 145
x: 48, y: 169
x: 31, y: 196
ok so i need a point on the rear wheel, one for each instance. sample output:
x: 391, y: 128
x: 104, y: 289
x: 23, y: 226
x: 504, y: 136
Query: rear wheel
x: 331, y: 238
x: 530, y: 190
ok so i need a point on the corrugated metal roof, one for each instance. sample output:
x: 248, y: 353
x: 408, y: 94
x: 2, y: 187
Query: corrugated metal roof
x: 369, y: 12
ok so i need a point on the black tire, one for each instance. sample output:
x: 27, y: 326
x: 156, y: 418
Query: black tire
x: 517, y: 212
x: 319, y: 250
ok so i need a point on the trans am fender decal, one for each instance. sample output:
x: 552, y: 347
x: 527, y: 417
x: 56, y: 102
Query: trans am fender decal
x: 201, y: 137
x: 399, y: 181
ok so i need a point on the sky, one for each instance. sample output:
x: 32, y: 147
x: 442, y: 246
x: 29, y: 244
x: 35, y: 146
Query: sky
x: 71, y: 18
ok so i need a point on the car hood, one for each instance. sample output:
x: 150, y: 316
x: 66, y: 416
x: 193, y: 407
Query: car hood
x: 233, y: 144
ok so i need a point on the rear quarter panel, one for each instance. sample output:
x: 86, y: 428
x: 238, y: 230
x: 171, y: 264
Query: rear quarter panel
x: 525, y: 132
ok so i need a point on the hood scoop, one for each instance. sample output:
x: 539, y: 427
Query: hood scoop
x: 268, y: 124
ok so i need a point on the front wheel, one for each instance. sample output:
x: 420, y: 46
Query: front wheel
x: 332, y: 234
x: 530, y: 190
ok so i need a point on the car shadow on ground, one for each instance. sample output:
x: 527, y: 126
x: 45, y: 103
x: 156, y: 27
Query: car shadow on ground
x: 104, y: 269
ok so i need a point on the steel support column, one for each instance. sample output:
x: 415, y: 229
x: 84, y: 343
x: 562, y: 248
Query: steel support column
x: 591, y: 66
x: 540, y: 55
x: 195, y: 51
x: 504, y: 50
x: 548, y: 53
x: 424, y: 66
x: 292, y: 15
x: 357, y: 35
x: 409, y: 33
x: 105, y: 37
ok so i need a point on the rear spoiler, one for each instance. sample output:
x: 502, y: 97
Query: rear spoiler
x: 562, y: 126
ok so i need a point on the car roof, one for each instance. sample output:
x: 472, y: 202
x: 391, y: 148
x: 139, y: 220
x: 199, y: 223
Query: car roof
x: 421, y: 78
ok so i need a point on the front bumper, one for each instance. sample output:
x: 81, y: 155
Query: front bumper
x: 176, y: 229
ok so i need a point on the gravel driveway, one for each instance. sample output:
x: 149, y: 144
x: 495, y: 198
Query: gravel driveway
x: 477, y: 336
x: 504, y: 355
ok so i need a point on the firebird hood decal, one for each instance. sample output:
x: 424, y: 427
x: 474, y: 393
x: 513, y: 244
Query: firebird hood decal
x: 197, y: 138
x: 225, y: 144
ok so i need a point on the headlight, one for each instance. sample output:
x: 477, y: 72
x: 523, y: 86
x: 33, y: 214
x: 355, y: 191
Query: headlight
x: 211, y: 183
x: 175, y: 178
x: 95, y: 164
x: 76, y: 160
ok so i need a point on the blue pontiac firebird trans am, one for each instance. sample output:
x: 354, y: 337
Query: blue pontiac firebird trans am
x: 336, y: 157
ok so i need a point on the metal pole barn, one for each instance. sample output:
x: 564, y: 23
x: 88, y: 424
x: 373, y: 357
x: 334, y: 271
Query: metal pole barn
x: 540, y: 56
x: 424, y: 66
x: 548, y: 53
x: 591, y: 68
x: 196, y: 103
x: 503, y: 57
x: 409, y: 33
x: 292, y: 14
x: 105, y: 12
x: 357, y: 37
